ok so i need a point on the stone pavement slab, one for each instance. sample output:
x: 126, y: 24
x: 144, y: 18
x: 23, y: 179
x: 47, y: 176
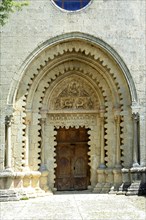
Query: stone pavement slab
x: 76, y: 206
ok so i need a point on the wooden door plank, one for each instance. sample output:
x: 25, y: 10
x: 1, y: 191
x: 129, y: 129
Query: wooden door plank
x: 72, y: 172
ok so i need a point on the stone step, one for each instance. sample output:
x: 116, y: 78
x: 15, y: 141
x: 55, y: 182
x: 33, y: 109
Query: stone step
x: 8, y: 195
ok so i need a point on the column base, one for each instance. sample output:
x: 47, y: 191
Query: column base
x: 134, y: 188
x: 136, y: 165
x: 42, y: 168
x: 22, y: 194
x: 106, y: 188
x: 8, y: 169
x: 102, y: 188
x: 123, y: 188
x: 134, y: 181
x: 98, y: 188
x: 113, y: 190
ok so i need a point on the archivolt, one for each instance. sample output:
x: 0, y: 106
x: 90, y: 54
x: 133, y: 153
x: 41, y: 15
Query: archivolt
x: 93, y: 64
x: 35, y: 59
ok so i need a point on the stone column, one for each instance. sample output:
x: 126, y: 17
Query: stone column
x: 26, y: 150
x: 102, y: 154
x: 135, y: 139
x: 118, y: 150
x: 8, y: 145
x: 42, y: 167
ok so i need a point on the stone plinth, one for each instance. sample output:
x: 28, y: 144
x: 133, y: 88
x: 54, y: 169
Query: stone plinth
x: 101, y: 181
x: 126, y: 182
x: 117, y: 181
x: 138, y: 181
x: 9, y: 195
x: 22, y: 185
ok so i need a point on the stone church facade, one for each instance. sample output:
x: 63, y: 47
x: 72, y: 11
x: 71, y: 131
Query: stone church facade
x: 73, y: 102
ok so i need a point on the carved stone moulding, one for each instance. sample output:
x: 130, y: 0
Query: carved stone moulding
x: 72, y: 119
x: 68, y: 120
x: 75, y: 84
x: 22, y: 185
x: 72, y: 93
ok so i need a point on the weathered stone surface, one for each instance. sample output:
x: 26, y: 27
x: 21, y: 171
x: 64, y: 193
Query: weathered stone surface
x: 81, y: 69
x: 8, y: 195
x: 83, y: 205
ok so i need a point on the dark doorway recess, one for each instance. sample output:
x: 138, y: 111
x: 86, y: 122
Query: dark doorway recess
x: 73, y: 171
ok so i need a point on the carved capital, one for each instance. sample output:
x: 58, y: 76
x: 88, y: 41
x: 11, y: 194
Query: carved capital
x: 27, y: 121
x: 135, y: 117
x: 102, y: 111
x: 135, y: 107
x: 117, y: 111
x: 8, y: 120
x: 117, y: 119
x: 43, y: 115
x: 43, y: 120
x: 28, y: 117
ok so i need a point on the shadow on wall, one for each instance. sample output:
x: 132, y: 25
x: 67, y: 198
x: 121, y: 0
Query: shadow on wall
x: 142, y: 189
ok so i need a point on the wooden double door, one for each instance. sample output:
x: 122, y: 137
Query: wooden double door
x: 73, y: 171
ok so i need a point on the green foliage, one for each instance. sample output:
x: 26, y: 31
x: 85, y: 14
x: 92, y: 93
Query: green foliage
x: 9, y: 6
x: 25, y: 198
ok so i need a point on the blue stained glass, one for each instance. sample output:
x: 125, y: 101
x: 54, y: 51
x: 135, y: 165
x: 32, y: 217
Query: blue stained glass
x: 72, y: 5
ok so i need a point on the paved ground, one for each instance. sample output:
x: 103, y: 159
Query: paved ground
x: 76, y: 207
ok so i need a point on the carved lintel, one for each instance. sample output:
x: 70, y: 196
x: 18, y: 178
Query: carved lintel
x: 72, y: 119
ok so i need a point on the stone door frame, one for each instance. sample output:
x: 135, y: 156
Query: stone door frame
x: 74, y: 120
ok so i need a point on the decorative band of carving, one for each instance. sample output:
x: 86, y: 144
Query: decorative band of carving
x: 72, y: 119
x: 95, y: 69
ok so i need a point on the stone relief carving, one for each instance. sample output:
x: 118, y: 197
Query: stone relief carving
x: 75, y: 96
x: 72, y: 120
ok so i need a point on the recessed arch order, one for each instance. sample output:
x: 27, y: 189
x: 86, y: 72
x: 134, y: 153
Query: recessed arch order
x: 73, y: 80
x: 29, y: 62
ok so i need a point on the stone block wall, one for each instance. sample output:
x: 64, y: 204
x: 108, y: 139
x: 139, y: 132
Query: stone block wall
x: 120, y: 24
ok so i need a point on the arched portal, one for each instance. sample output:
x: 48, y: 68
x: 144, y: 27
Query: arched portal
x: 72, y: 83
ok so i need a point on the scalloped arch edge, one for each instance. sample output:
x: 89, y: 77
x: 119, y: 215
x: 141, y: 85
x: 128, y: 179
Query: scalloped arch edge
x: 73, y: 36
